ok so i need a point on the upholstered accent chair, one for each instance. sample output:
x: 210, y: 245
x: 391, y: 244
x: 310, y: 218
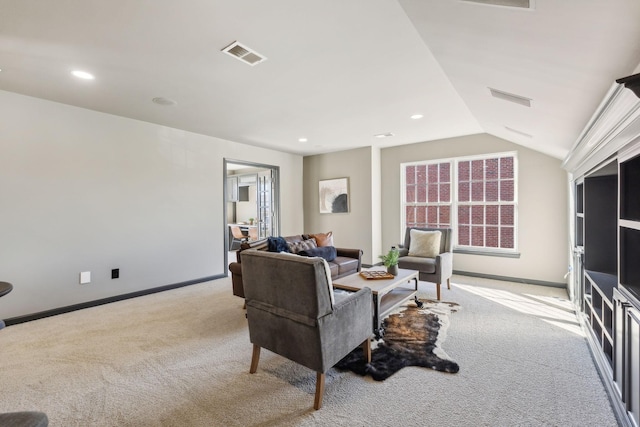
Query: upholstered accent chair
x: 430, y: 253
x: 292, y: 311
x: 236, y: 237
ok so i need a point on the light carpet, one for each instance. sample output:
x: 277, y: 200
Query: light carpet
x: 181, y: 358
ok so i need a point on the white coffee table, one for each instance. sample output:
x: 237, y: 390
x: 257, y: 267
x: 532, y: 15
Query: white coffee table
x: 387, y: 293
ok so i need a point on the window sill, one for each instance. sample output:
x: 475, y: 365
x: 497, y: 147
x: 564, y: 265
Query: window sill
x: 487, y: 253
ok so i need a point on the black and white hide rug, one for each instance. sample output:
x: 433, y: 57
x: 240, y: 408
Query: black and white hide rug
x: 412, y: 337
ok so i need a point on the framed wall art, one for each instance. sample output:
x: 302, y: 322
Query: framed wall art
x: 334, y: 195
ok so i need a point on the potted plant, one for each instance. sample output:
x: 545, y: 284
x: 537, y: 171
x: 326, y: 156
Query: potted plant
x: 251, y: 221
x: 390, y: 260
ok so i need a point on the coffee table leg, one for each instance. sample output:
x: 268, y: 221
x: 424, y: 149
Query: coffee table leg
x: 415, y: 298
x: 376, y: 317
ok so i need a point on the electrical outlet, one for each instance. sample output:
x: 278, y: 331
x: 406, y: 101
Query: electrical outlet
x: 85, y: 277
x: 115, y: 273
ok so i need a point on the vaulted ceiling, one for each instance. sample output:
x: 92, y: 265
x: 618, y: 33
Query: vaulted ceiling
x: 337, y: 72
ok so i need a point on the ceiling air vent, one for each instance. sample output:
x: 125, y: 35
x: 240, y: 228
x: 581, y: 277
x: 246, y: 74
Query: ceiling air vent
x: 519, y: 132
x: 244, y: 54
x: 510, y: 97
x: 522, y: 4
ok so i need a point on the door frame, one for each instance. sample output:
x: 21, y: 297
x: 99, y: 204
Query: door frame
x: 275, y: 171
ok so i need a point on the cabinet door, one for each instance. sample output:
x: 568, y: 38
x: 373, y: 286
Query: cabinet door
x: 633, y: 364
x: 232, y: 189
x: 620, y: 305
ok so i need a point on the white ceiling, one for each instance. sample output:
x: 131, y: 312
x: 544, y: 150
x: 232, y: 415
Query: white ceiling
x: 338, y: 71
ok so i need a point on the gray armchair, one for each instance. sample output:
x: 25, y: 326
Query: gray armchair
x: 291, y: 313
x: 433, y: 269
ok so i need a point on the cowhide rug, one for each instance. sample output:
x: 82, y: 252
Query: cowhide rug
x: 411, y: 338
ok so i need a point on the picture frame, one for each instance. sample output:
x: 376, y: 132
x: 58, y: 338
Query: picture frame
x: 333, y: 195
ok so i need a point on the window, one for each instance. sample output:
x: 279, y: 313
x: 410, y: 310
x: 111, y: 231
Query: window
x: 475, y: 196
x: 428, y: 195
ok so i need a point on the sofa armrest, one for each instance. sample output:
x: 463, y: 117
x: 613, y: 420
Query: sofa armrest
x: 235, y: 268
x: 402, y: 251
x: 236, y: 279
x: 351, y: 253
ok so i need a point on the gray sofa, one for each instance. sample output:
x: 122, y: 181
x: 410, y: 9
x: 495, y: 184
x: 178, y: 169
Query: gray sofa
x: 291, y: 313
x: 432, y: 269
x: 347, y: 261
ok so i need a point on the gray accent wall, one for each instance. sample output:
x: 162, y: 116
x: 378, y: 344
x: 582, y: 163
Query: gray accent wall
x: 82, y: 190
x: 360, y: 227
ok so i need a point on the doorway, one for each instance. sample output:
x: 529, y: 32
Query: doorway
x: 251, y: 203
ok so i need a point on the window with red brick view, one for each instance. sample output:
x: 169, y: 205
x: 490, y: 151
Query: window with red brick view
x: 492, y: 215
x: 492, y: 237
x: 486, y: 197
x: 464, y: 191
x: 428, y: 195
x: 484, y: 206
x: 464, y: 235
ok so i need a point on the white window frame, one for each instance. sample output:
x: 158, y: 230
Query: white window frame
x: 454, y: 161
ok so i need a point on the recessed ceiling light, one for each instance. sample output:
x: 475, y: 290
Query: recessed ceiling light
x: 383, y: 135
x: 83, y: 75
x: 417, y: 116
x: 302, y: 139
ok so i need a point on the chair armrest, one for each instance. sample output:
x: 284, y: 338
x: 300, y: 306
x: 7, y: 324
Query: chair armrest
x: 402, y: 251
x: 355, y: 298
x: 444, y: 264
x: 348, y: 326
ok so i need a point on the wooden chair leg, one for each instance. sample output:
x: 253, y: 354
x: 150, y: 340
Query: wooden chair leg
x: 255, y: 358
x: 366, y: 349
x: 448, y: 283
x: 317, y: 403
x: 438, y: 291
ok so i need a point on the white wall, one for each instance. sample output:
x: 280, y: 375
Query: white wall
x: 86, y: 191
x: 542, y: 206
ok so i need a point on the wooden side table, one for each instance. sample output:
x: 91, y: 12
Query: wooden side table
x: 5, y: 288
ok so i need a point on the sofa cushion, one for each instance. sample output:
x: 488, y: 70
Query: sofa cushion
x: 425, y: 265
x: 346, y: 265
x: 323, y: 239
x: 293, y: 239
x: 277, y: 244
x: 327, y: 252
x: 302, y: 245
x: 334, y: 268
x: 424, y: 243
